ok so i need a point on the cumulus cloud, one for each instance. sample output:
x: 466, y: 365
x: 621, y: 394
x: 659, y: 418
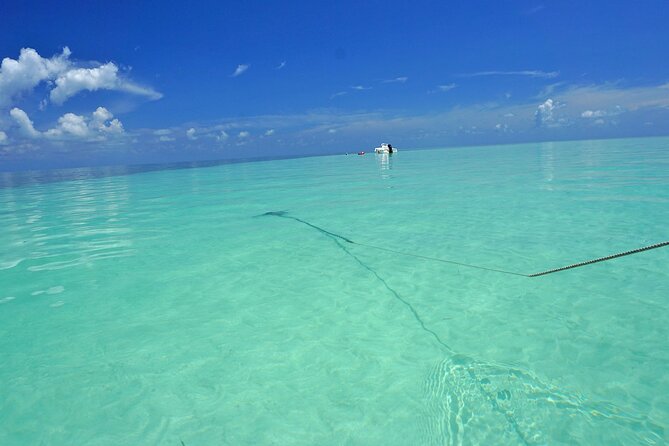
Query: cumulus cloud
x: 3, y: 138
x: 269, y: 132
x: 62, y: 76
x: 22, y: 75
x: 104, y: 77
x: 544, y: 116
x: 190, y: 134
x: 71, y: 124
x: 240, y: 70
x: 222, y: 136
x: 243, y: 134
x: 96, y: 126
x: 25, y: 124
x: 103, y: 121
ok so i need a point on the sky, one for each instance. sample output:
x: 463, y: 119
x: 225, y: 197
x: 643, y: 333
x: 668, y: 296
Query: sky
x: 127, y: 82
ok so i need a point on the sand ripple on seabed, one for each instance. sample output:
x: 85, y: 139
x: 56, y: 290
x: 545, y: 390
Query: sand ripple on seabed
x: 469, y: 402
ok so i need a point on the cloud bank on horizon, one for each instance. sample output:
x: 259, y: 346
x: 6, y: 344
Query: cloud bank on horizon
x: 576, y: 108
x: 53, y: 106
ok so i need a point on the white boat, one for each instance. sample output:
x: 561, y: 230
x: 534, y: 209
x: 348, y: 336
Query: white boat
x: 385, y: 148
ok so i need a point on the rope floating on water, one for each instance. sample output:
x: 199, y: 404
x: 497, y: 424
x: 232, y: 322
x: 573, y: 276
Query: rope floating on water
x: 601, y: 259
x: 468, y: 265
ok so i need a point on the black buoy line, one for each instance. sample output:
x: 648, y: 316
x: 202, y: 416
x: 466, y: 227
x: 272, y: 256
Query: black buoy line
x: 284, y: 214
x: 600, y: 259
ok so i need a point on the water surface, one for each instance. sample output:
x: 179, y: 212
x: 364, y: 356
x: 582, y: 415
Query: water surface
x: 158, y: 308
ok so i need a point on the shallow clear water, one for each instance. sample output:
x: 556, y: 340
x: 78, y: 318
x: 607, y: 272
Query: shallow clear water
x: 155, y: 308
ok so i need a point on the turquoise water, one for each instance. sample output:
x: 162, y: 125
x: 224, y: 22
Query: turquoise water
x: 156, y: 308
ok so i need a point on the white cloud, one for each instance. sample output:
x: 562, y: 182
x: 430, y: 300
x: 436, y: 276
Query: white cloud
x: 162, y: 132
x: 104, y: 77
x: 243, y: 134
x: 332, y: 131
x: 240, y: 70
x: 24, y: 122
x: 166, y: 138
x: 544, y: 117
x: 593, y: 114
x: 222, y: 136
x: 447, y: 87
x: 602, y: 113
x: 401, y: 80
x: 99, y: 121
x: 23, y: 75
x: 3, y: 138
x: 529, y: 73
x: 190, y: 134
x: 97, y: 126
x: 360, y: 87
x: 269, y: 132
x: 340, y: 93
x: 73, y: 81
x: 281, y: 65
x: 71, y: 124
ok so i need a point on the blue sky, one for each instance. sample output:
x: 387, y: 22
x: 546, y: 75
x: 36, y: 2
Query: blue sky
x: 90, y: 83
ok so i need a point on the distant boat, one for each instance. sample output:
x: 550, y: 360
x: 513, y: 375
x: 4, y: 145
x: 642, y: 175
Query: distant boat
x: 385, y: 148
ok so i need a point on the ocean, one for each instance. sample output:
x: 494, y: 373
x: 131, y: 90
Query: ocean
x: 340, y: 300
